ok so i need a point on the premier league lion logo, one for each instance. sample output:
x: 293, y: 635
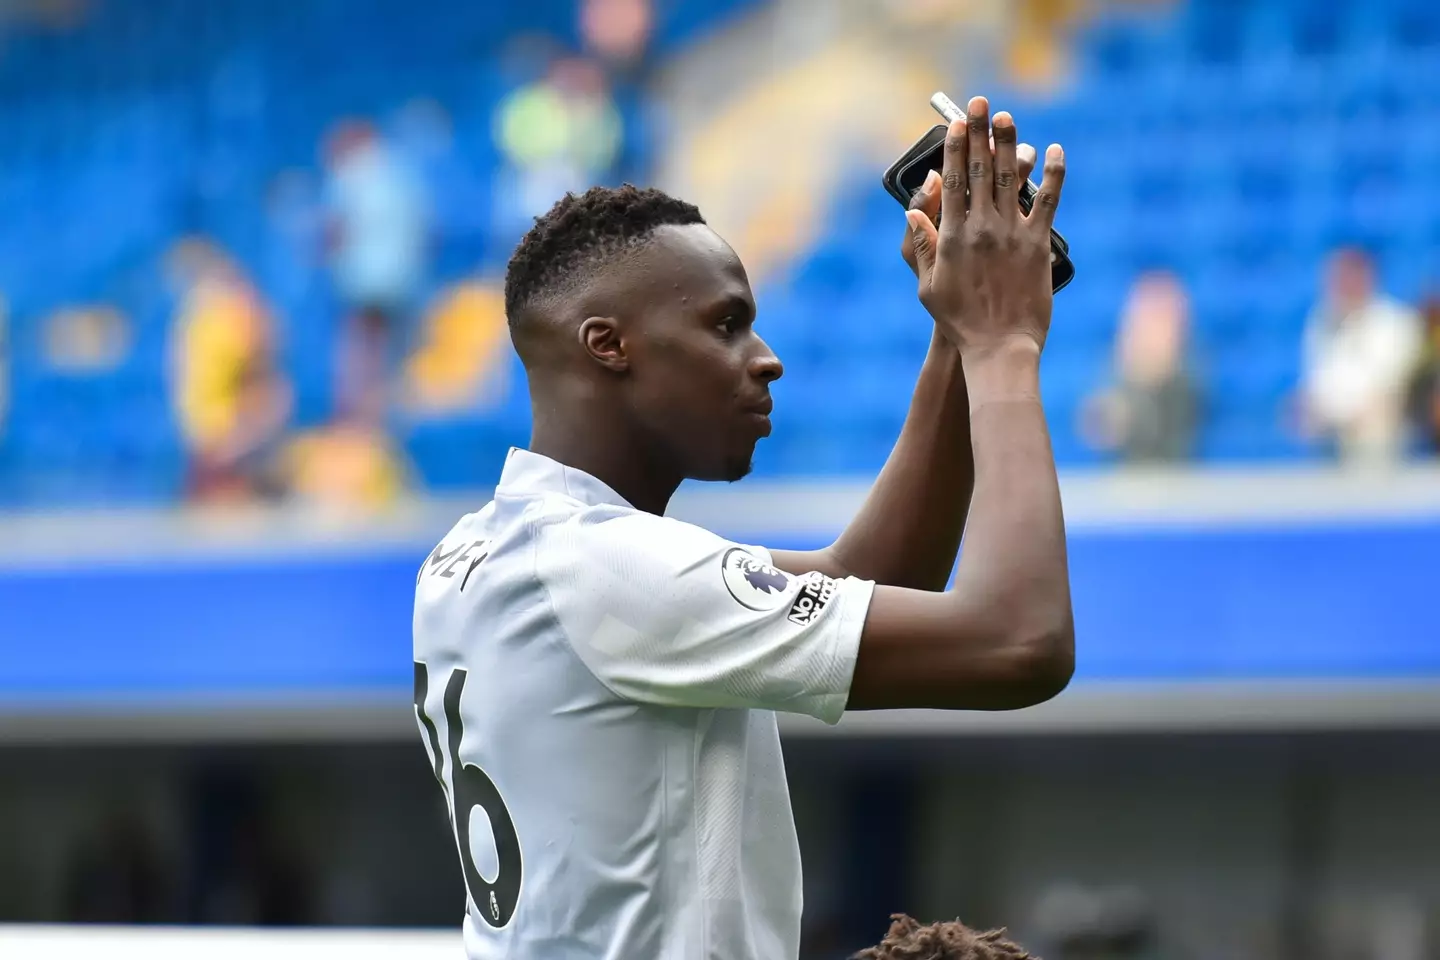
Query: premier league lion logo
x: 765, y: 578
x: 752, y: 582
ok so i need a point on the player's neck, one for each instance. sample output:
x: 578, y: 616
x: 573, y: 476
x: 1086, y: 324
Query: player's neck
x: 611, y: 455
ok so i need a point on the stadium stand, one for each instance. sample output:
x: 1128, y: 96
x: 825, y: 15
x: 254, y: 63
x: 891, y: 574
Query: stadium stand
x: 153, y: 120
x: 150, y: 121
x: 1235, y: 143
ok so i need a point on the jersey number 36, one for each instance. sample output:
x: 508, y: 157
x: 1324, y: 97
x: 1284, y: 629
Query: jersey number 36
x: 471, y: 787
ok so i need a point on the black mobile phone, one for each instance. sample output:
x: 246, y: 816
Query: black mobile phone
x: 907, y: 175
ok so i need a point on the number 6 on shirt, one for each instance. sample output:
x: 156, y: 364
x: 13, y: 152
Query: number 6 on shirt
x: 472, y: 787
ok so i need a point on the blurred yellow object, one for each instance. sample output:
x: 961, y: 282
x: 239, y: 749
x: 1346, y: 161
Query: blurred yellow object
x: 1036, y: 56
x: 222, y: 341
x: 1036, y: 59
x: 347, y: 465
x: 461, y: 364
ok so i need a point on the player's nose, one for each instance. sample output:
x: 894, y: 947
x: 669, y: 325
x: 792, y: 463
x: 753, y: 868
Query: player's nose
x: 765, y: 366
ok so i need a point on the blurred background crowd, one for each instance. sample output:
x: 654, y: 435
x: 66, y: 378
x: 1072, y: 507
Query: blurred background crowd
x: 252, y: 254
x: 253, y: 250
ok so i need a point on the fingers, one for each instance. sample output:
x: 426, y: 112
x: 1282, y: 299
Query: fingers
x: 1025, y: 157
x: 1007, y: 190
x: 924, y: 240
x: 927, y: 198
x: 980, y: 170
x: 927, y: 201
x: 1047, y: 199
x: 953, y: 177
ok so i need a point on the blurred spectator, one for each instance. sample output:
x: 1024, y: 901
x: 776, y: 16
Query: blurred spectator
x: 560, y: 133
x: 379, y: 239
x: 1360, y: 351
x: 462, y: 362
x: 1425, y: 387
x: 1150, y: 413
x: 229, y: 393
x: 85, y: 339
x: 617, y: 33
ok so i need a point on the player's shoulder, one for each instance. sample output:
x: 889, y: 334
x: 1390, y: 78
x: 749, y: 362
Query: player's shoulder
x: 605, y: 558
x: 614, y: 531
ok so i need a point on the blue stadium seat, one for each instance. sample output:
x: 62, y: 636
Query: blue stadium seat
x: 158, y: 118
x: 1236, y: 161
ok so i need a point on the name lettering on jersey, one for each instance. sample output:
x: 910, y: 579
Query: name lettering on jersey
x: 471, y: 569
x: 752, y: 582
x: 816, y: 591
x: 447, y: 563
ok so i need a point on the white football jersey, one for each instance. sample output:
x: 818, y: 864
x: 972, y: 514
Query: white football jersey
x: 595, y: 688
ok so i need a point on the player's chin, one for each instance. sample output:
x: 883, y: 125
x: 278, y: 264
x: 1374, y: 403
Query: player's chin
x: 735, y: 465
x: 743, y: 461
x: 739, y: 468
x: 727, y: 462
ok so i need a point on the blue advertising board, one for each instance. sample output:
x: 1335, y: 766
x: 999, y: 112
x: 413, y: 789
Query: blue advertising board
x: 1330, y: 601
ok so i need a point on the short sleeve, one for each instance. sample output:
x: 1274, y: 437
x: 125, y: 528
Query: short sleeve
x: 666, y: 613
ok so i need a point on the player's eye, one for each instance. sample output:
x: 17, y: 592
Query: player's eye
x: 729, y: 326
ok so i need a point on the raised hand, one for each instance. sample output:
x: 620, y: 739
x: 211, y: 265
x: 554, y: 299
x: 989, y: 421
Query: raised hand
x: 984, y: 274
x: 927, y: 199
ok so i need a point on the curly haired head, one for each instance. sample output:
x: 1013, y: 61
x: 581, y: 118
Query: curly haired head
x: 635, y: 322
x: 579, y: 236
x: 908, y: 940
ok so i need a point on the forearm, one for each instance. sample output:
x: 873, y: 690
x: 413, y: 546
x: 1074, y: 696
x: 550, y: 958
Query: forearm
x: 909, y: 528
x: 1015, y: 563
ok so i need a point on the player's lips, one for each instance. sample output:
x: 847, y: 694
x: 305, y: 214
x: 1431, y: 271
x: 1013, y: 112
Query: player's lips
x: 760, y: 413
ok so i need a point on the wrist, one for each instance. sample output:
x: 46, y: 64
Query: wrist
x: 1006, y: 370
x: 943, y: 351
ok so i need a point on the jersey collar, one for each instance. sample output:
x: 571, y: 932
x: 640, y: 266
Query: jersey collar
x: 530, y: 473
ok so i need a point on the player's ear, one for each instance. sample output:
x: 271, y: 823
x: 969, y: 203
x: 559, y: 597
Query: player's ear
x: 600, y: 336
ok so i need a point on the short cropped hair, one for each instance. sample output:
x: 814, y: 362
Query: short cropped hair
x: 952, y: 940
x: 580, y: 233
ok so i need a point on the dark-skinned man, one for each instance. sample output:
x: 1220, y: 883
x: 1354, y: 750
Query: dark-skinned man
x: 596, y: 684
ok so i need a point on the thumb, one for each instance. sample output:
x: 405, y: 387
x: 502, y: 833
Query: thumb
x: 923, y: 237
